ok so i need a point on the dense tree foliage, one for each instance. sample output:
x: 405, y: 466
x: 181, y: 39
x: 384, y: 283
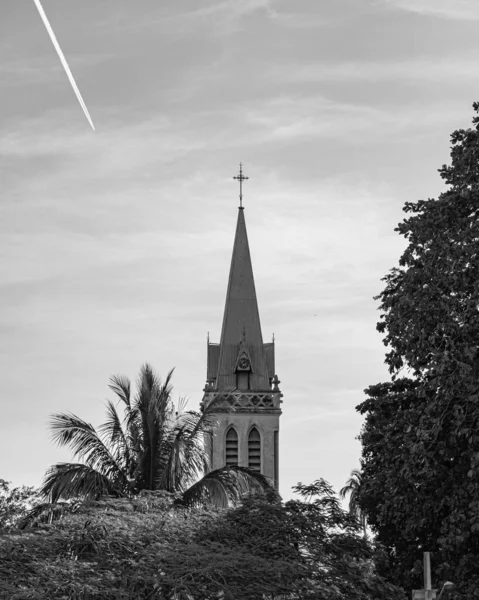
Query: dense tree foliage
x: 151, y: 448
x: 15, y: 503
x: 147, y: 547
x: 420, y: 464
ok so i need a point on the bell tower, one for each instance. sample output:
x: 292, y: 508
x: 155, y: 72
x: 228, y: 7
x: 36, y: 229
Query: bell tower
x: 241, y: 377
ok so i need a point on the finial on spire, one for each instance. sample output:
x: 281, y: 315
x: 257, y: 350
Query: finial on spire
x: 273, y: 338
x: 241, y: 178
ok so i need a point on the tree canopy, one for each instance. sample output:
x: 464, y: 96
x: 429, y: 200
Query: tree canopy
x: 147, y: 547
x: 15, y: 503
x: 420, y: 457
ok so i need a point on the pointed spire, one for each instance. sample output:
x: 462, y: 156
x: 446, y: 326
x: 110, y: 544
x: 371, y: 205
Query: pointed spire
x: 241, y: 323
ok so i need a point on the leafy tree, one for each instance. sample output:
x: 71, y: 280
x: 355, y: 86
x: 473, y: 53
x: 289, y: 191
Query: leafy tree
x: 15, y: 503
x: 314, y: 544
x: 353, y: 488
x: 430, y: 303
x: 146, y: 547
x: 420, y: 462
x: 150, y: 448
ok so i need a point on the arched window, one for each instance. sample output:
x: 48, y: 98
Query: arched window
x: 231, y: 447
x: 254, y: 450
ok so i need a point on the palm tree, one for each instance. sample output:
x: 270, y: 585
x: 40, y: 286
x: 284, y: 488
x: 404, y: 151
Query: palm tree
x: 150, y: 448
x: 353, y: 488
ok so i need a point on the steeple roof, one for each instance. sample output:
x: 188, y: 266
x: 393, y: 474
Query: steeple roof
x: 241, y: 322
x: 241, y: 308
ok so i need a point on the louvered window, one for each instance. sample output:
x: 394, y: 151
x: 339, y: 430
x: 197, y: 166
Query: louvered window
x: 242, y: 380
x: 231, y: 447
x: 254, y: 450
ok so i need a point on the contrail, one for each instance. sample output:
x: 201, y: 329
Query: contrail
x: 63, y: 60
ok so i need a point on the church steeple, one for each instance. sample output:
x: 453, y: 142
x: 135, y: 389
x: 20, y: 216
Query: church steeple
x: 242, y: 386
x: 241, y: 318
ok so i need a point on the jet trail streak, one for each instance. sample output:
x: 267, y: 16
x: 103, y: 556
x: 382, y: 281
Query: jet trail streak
x: 63, y: 60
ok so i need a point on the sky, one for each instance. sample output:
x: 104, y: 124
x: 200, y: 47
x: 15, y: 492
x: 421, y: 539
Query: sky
x: 115, y: 244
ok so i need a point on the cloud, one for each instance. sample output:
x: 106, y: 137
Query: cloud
x: 231, y: 8
x: 139, y: 145
x: 296, y: 20
x: 420, y: 69
x: 45, y: 69
x: 113, y: 148
x: 222, y: 17
x: 449, y: 9
x: 81, y: 182
x: 288, y: 118
x: 337, y: 416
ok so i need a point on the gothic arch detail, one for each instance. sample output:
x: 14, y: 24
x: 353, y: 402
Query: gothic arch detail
x: 231, y: 447
x: 254, y: 449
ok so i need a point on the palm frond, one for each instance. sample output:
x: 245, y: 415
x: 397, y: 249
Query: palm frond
x: 69, y: 430
x: 154, y: 408
x: 113, y: 430
x: 149, y: 382
x: 65, y: 481
x: 182, y: 404
x: 44, y: 513
x: 167, y: 386
x: 207, y: 491
x: 185, y: 457
x: 226, y: 486
x: 148, y: 410
x: 132, y: 427
x: 184, y: 452
x: 353, y: 488
x: 352, y: 484
x: 149, y: 448
x: 121, y: 385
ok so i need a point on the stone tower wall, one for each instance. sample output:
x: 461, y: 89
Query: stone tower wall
x: 243, y: 422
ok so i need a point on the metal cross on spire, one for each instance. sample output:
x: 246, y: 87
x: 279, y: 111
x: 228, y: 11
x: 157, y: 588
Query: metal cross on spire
x: 241, y: 178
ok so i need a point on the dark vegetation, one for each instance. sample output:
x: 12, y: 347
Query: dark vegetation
x: 147, y: 547
x: 420, y: 457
